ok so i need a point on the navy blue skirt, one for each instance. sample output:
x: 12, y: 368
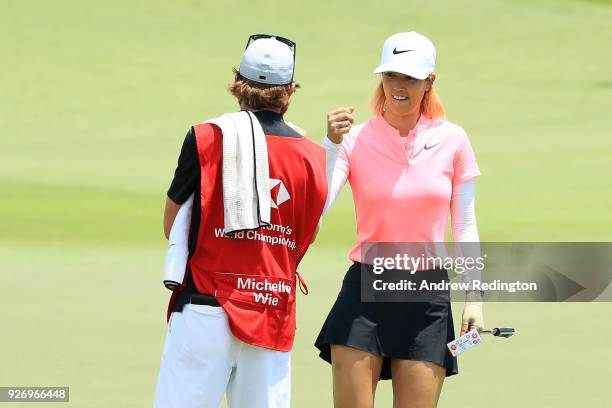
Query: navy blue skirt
x: 405, y: 330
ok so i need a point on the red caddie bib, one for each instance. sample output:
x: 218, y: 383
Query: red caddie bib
x: 253, y: 273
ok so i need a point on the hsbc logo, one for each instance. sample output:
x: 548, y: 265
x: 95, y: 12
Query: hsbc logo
x: 278, y: 193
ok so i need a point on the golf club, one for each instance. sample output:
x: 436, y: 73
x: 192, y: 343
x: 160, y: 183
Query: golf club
x: 499, y: 331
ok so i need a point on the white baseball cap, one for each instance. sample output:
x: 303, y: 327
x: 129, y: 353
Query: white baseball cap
x: 408, y: 53
x: 268, y: 61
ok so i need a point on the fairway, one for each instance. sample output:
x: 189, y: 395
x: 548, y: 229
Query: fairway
x: 96, y: 98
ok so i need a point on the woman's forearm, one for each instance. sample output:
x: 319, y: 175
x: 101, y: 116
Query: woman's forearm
x: 337, y: 173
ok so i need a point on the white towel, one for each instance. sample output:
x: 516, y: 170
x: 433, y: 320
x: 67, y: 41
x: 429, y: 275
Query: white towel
x: 178, y: 246
x: 246, y: 177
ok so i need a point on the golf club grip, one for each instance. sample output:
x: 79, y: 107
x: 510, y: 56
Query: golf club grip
x: 500, y: 331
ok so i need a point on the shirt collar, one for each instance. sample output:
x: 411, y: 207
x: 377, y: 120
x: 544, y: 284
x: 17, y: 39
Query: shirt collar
x: 268, y: 115
x: 422, y: 124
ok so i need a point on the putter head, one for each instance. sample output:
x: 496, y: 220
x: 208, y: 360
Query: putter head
x: 503, y: 331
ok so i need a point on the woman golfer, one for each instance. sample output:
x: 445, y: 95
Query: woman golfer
x: 408, y: 167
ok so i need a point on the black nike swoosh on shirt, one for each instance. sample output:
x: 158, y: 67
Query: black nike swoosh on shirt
x: 432, y: 146
x: 395, y: 51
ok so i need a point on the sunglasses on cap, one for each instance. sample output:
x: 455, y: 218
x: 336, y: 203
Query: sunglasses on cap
x: 284, y: 40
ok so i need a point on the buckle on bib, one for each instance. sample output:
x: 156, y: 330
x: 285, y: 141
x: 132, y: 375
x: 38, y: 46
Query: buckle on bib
x: 302, y: 283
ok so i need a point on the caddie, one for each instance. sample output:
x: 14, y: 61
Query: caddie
x: 259, y: 188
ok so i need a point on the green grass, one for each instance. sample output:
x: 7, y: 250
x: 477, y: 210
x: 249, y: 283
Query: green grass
x: 96, y: 99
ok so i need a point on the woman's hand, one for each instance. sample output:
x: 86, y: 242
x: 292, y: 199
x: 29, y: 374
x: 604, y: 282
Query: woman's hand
x: 339, y: 122
x: 472, y: 317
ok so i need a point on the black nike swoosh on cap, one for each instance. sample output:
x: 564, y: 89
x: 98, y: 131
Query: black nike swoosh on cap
x: 395, y: 51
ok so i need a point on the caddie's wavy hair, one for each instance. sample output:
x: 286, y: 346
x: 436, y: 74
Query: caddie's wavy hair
x: 431, y: 105
x: 260, y: 96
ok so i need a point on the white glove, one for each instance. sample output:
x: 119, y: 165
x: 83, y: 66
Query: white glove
x: 472, y: 317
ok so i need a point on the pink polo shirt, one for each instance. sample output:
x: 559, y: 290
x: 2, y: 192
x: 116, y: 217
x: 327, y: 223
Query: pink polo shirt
x: 402, y: 186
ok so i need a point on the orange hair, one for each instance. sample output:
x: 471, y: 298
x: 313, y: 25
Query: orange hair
x: 431, y: 105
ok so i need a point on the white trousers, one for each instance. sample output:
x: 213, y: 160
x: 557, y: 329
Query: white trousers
x: 202, y: 361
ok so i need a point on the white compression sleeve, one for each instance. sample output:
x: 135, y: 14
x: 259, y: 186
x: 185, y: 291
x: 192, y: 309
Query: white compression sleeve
x: 463, y: 213
x: 337, y: 172
x: 464, y: 228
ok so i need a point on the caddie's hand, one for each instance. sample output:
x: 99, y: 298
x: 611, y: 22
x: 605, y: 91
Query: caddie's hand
x: 472, y: 317
x: 339, y: 122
